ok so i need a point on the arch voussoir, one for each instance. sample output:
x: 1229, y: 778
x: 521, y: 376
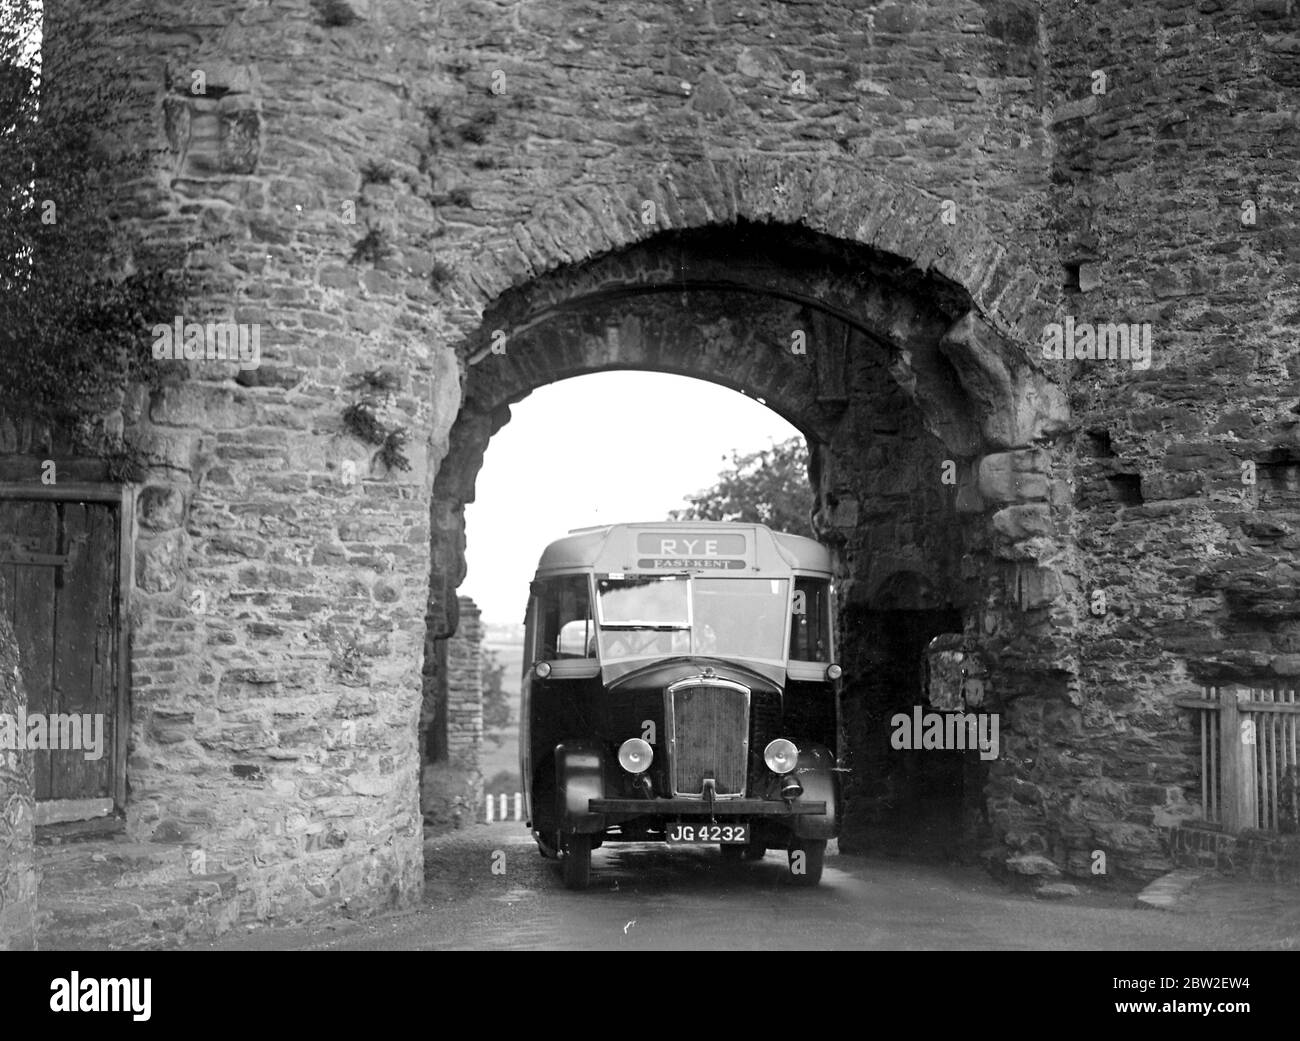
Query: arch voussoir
x: 933, y: 239
x: 681, y: 204
x: 972, y: 260
x: 1016, y: 294
x: 841, y: 214
x: 871, y: 225
x: 604, y: 214
x: 714, y: 184
x: 536, y: 257
x: 563, y: 239
x: 610, y: 226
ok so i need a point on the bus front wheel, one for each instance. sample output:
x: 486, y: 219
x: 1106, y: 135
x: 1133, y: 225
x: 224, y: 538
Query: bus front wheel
x: 576, y: 865
x: 806, y: 859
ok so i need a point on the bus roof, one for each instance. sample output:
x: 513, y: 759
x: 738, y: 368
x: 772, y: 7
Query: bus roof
x: 714, y: 547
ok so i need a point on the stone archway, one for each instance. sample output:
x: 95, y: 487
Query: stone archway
x: 897, y: 352
x: 577, y: 251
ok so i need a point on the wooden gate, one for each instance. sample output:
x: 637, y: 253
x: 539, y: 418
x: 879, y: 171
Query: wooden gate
x: 62, y: 565
x: 1250, y: 766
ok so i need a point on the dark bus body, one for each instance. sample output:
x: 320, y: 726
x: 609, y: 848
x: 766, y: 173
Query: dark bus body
x: 679, y: 685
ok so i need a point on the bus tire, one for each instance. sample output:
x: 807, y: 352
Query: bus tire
x: 814, y: 855
x: 755, y: 851
x: 731, y: 853
x: 576, y: 865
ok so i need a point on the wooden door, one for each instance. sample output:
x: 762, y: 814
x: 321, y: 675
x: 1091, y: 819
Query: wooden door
x: 60, y: 565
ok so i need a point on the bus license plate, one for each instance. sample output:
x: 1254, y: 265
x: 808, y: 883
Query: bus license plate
x: 727, y: 834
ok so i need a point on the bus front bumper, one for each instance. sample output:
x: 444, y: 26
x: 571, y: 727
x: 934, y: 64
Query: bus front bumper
x: 698, y: 808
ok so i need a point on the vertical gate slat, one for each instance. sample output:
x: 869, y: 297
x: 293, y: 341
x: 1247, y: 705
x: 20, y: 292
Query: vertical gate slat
x: 1292, y: 723
x: 1205, y: 770
x: 1261, y: 740
x: 1214, y: 758
x: 1274, y: 818
x: 1238, y: 766
x: 1217, y: 738
x: 1288, y: 739
x: 1259, y: 767
x: 1261, y: 762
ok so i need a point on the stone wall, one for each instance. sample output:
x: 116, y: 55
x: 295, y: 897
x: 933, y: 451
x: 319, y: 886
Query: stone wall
x: 389, y: 185
x: 281, y: 579
x: 1150, y: 186
x: 1261, y: 855
x: 465, y: 689
x: 452, y: 726
x: 17, y: 851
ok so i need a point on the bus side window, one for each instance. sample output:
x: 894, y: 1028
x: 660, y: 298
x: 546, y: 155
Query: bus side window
x: 564, y: 618
x: 530, y: 631
x: 810, y: 627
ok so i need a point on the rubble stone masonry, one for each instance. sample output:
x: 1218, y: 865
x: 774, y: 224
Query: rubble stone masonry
x: 17, y: 813
x: 921, y: 187
x: 451, y: 724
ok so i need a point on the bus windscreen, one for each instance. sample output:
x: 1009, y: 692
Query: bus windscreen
x: 670, y: 615
x: 741, y: 617
x: 644, y: 603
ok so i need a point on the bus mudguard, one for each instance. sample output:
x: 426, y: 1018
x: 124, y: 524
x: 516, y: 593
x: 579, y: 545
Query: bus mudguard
x: 815, y: 772
x: 579, y: 777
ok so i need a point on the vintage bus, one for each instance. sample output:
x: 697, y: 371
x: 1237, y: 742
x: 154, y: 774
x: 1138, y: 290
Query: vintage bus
x: 680, y: 685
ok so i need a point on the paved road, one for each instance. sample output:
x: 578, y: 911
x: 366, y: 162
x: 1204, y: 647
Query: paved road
x: 647, y: 897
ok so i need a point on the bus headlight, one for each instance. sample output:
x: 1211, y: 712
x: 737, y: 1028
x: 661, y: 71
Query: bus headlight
x: 635, y: 755
x: 542, y: 669
x: 834, y: 672
x: 781, y: 756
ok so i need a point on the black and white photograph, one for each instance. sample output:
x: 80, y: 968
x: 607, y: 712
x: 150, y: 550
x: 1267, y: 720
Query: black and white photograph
x: 672, y: 475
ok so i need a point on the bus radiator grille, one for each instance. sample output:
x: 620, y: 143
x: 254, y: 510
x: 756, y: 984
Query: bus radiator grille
x: 764, y: 725
x: 710, y: 724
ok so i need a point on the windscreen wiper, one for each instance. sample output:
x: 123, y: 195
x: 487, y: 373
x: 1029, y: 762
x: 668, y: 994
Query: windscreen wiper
x: 647, y: 626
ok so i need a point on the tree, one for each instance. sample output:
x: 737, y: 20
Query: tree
x: 769, y: 487
x: 496, y: 703
x: 77, y: 295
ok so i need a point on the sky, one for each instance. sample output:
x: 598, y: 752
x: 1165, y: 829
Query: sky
x: 607, y: 448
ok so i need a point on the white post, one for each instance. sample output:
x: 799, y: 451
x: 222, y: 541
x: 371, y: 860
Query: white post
x: 519, y: 806
x: 489, y: 809
x: 503, y: 805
